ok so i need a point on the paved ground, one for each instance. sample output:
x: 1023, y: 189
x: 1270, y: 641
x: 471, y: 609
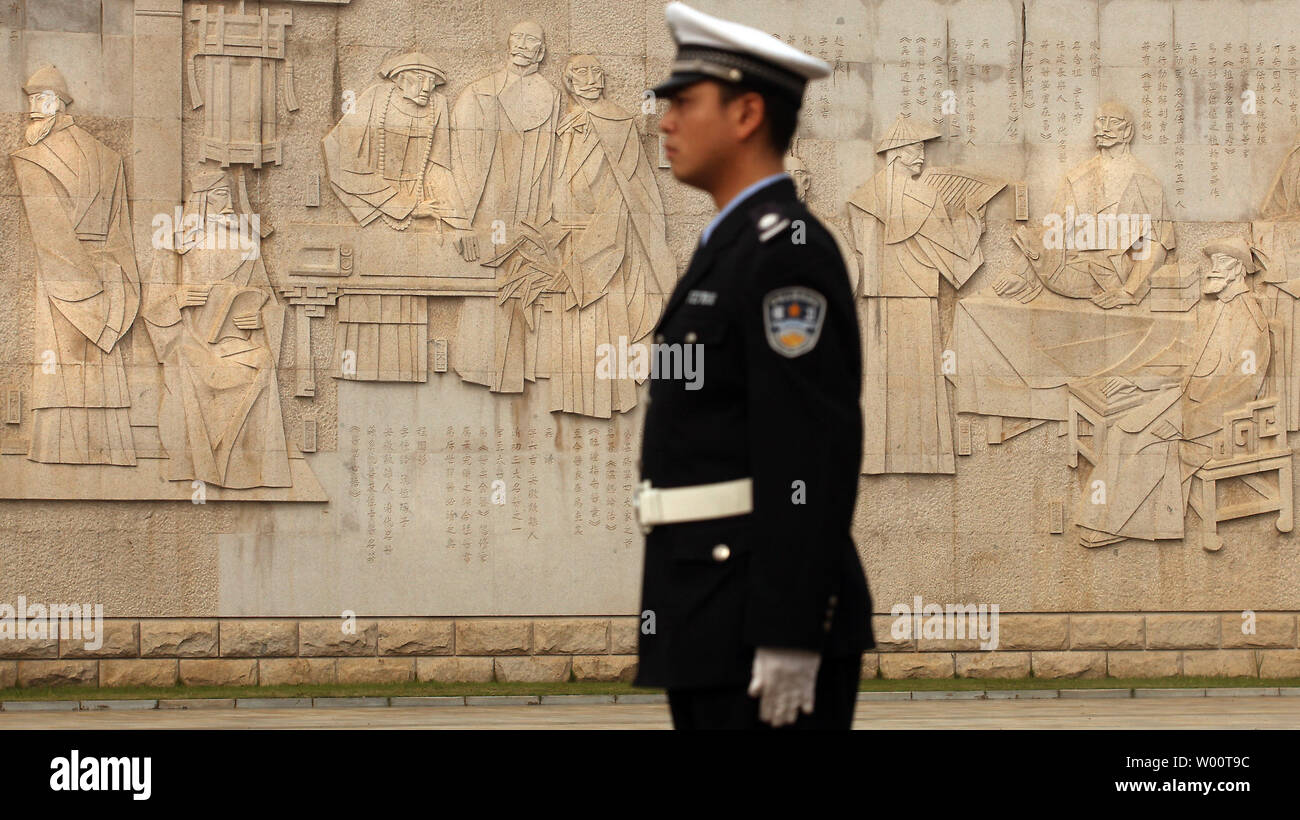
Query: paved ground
x: 1131, y: 713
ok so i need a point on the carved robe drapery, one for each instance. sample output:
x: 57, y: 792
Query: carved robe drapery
x: 620, y: 266
x: 503, y: 150
x: 1147, y: 478
x: 1100, y: 188
x: 905, y: 403
x: 220, y: 419
x: 87, y: 295
x: 382, y: 159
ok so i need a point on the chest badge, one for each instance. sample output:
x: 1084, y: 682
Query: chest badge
x: 702, y: 297
x: 793, y: 319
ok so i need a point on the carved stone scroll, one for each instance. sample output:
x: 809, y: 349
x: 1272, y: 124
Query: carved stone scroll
x: 911, y: 229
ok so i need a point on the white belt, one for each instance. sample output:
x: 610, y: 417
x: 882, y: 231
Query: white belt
x: 669, y: 505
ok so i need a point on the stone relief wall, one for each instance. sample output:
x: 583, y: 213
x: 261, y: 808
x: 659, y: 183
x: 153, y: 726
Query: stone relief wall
x: 375, y: 269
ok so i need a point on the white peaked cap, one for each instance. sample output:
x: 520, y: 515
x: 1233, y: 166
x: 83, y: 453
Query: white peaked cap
x: 712, y: 48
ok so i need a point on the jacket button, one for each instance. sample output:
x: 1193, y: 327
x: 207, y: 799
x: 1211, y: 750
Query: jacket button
x: 827, y: 626
x: 659, y: 337
x: 691, y: 337
x: 721, y: 553
x: 834, y: 600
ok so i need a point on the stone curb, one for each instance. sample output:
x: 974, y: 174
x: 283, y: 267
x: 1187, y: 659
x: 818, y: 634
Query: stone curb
x: 1168, y: 693
x: 576, y: 700
x: 117, y: 705
x: 1096, y: 693
x: 641, y: 698
x: 1023, y: 694
x: 348, y: 703
x: 197, y: 703
x: 272, y: 703
x: 40, y: 706
x: 601, y: 700
x: 1244, y: 692
x: 502, y: 700
x: 949, y: 694
x: 427, y: 700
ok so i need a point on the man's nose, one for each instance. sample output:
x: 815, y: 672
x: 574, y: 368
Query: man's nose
x: 667, y: 122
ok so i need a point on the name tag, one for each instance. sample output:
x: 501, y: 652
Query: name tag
x: 702, y: 297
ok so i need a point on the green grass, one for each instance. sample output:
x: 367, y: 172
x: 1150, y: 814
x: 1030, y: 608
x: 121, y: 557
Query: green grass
x: 594, y: 688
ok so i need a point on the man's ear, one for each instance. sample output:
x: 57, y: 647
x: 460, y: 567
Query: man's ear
x: 752, y: 110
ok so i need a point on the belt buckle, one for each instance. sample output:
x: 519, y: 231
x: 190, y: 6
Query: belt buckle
x: 636, y: 505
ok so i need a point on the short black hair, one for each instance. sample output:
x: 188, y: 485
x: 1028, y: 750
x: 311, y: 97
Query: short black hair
x: 782, y: 115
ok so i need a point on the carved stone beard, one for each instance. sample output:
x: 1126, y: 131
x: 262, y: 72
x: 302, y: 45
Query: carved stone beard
x: 40, y: 129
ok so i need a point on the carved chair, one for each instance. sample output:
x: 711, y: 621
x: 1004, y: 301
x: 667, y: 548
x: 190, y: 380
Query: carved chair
x: 1253, y: 442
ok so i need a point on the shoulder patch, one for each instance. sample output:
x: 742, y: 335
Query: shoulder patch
x: 792, y: 319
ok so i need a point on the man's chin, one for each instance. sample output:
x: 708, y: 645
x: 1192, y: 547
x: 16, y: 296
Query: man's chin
x: 684, y: 175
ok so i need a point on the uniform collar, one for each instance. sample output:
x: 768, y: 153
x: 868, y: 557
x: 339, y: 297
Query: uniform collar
x: 737, y: 200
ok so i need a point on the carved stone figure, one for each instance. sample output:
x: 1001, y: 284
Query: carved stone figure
x: 909, y: 236
x: 1277, y: 234
x: 619, y: 266
x: 1107, y: 233
x: 503, y: 153
x: 390, y: 156
x: 798, y: 171
x: 1113, y: 209
x: 1283, y: 198
x: 212, y: 316
x: 87, y: 285
x: 1164, y: 431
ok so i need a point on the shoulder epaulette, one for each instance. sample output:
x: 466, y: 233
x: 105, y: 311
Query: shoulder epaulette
x: 770, y: 220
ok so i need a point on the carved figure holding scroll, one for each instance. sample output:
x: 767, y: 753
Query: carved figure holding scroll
x: 911, y: 229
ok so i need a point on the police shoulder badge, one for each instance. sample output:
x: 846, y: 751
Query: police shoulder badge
x: 793, y: 319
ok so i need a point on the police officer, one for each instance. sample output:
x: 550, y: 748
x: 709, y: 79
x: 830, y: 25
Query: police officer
x: 755, y: 609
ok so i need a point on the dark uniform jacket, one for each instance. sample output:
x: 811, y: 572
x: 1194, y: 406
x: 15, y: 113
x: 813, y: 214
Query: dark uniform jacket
x: 789, y: 575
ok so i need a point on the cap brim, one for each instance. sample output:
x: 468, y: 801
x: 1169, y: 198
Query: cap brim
x: 678, y: 81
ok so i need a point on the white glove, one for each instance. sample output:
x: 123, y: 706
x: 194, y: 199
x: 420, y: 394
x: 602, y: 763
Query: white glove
x: 786, y: 679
